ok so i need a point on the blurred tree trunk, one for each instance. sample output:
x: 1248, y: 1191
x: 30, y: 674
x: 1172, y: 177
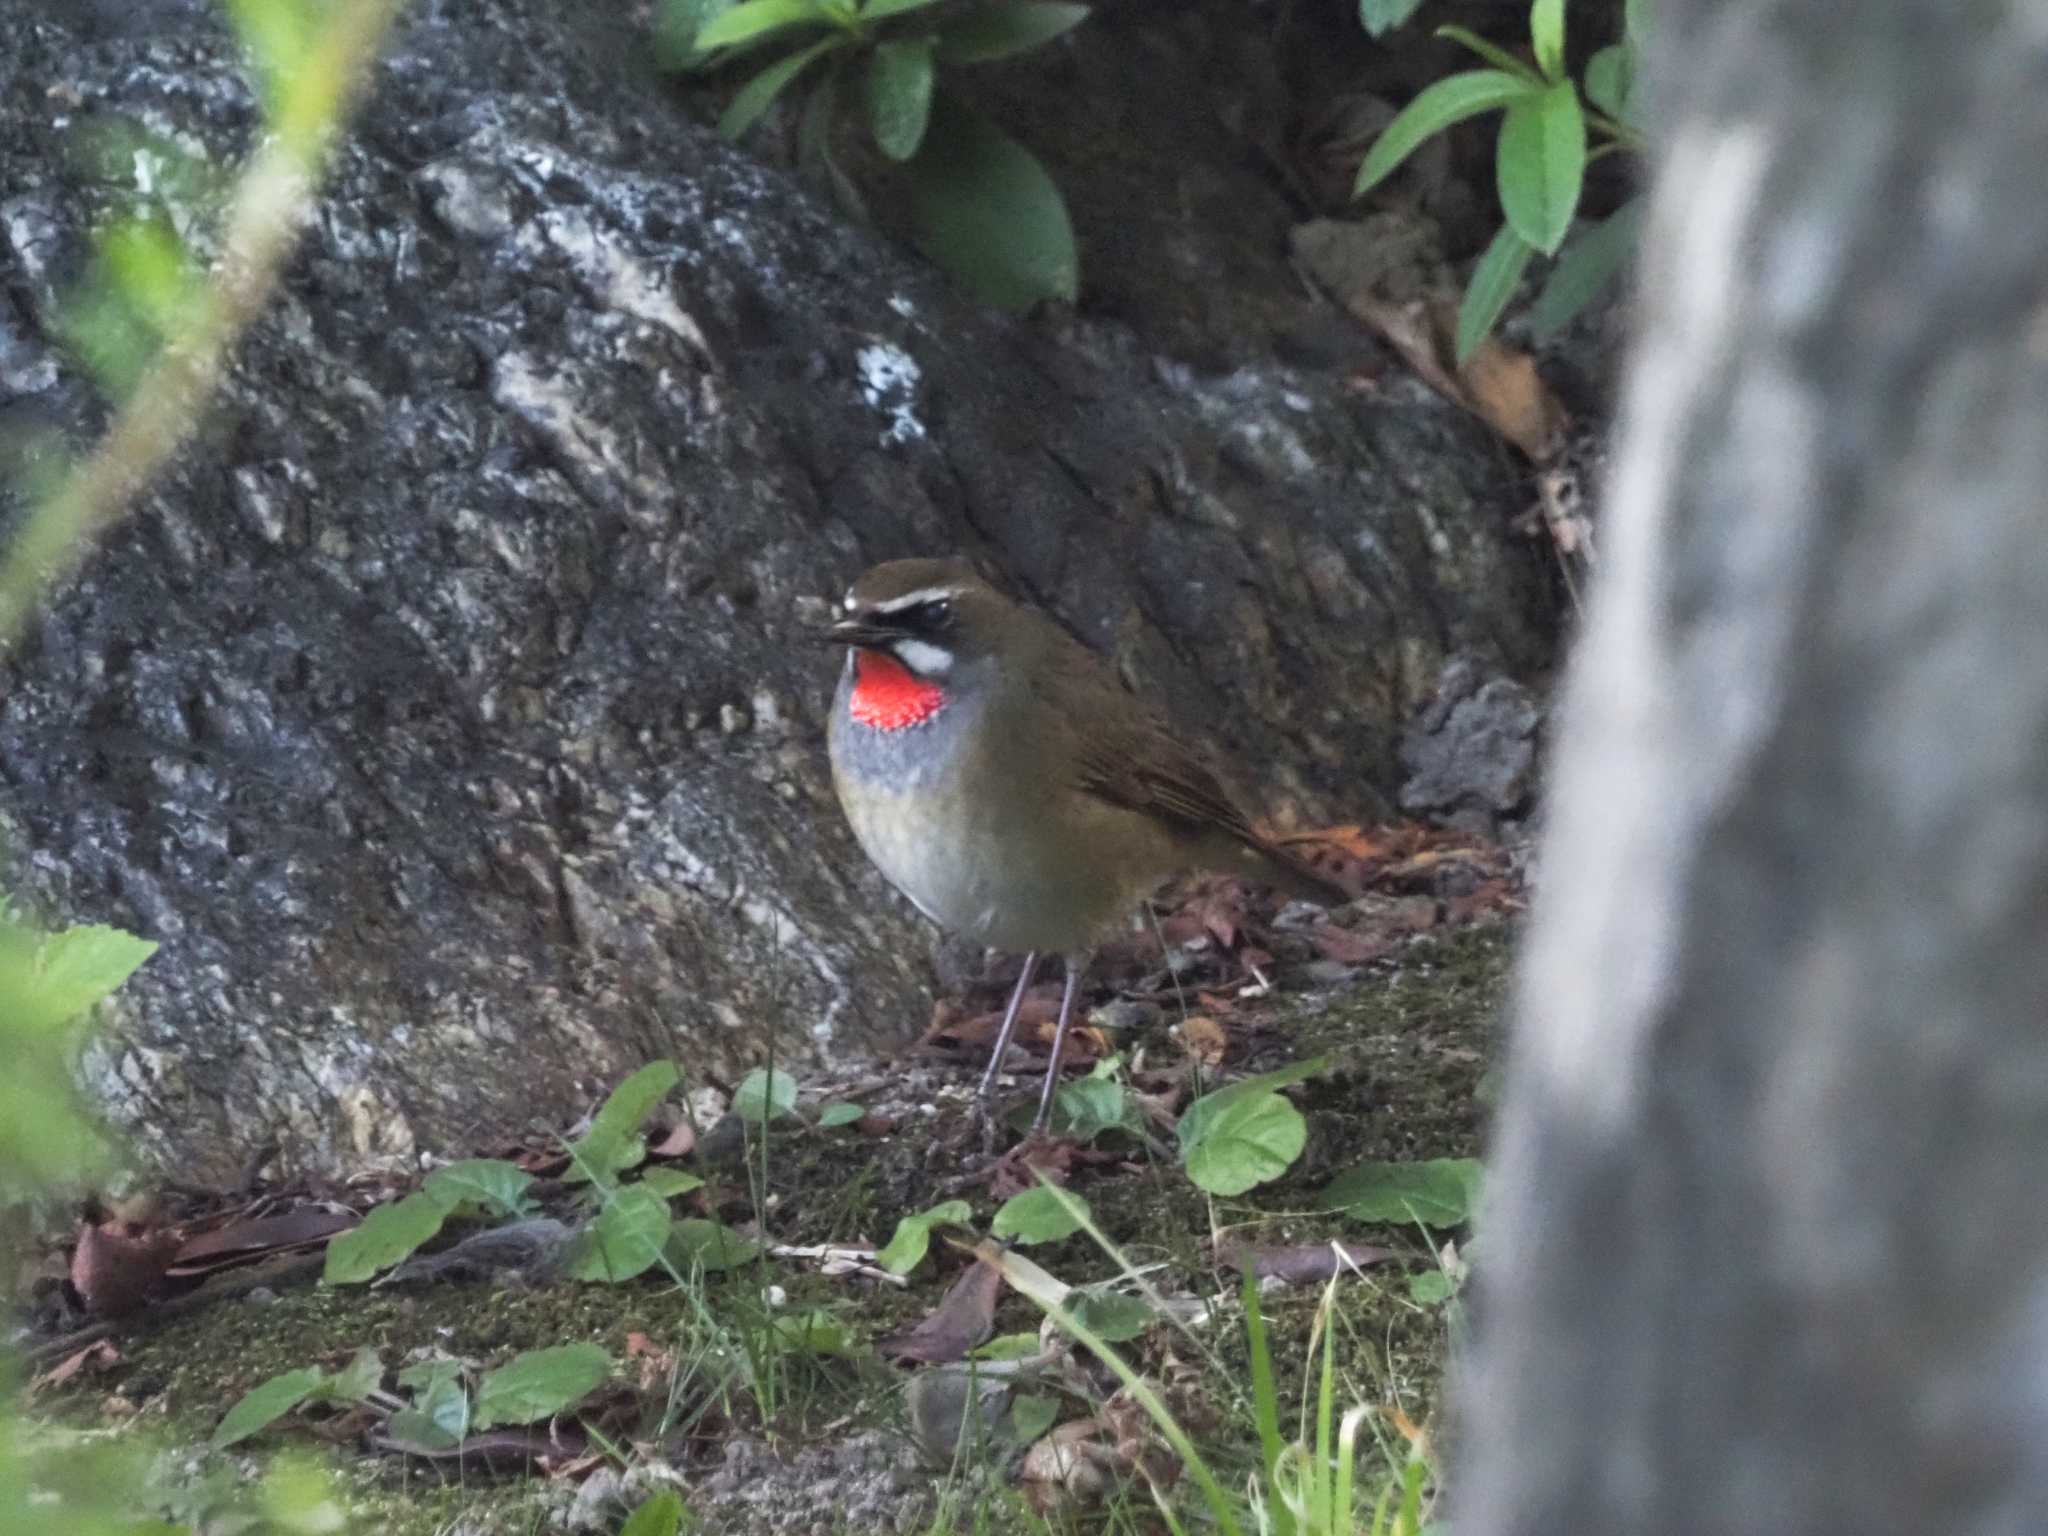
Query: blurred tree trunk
x: 1769, y: 1248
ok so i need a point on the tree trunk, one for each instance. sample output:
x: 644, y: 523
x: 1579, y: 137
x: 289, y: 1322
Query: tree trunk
x: 1768, y: 1248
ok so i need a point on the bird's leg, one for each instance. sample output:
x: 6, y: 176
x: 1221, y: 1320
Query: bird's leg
x: 1077, y: 965
x: 1009, y: 1027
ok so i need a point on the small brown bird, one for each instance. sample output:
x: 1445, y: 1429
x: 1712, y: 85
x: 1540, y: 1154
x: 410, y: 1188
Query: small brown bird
x: 995, y: 770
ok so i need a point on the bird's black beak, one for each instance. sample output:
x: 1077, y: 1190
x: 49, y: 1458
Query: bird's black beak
x: 856, y: 632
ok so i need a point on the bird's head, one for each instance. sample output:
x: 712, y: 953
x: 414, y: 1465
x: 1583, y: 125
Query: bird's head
x: 918, y: 631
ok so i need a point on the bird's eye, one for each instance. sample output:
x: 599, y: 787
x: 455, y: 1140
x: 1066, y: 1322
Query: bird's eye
x: 939, y: 612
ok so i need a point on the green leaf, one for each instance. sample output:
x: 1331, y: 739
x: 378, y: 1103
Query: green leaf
x: 1036, y: 1216
x: 669, y: 1182
x: 612, y: 1142
x: 661, y: 1515
x: 481, y: 1183
x: 997, y: 31
x: 759, y: 93
x: 439, y: 1416
x: 1635, y: 20
x: 1031, y: 1415
x: 358, y: 1379
x: 263, y: 1406
x: 625, y: 1240
x: 878, y: 10
x: 1540, y: 163
x: 1493, y: 283
x: 67, y: 972
x: 387, y: 1235
x: 913, y: 1237
x: 1499, y: 57
x: 814, y: 1331
x: 1088, y: 1106
x: 1546, y: 37
x: 1379, y: 17
x: 1587, y: 263
x: 1111, y: 1317
x: 539, y: 1384
x: 1431, y: 1287
x: 1609, y: 76
x: 763, y: 1096
x: 752, y: 19
x: 1250, y: 1142
x: 1195, y: 1119
x: 1440, y: 1192
x: 1007, y: 1346
x: 986, y: 211
x: 676, y: 25
x: 900, y: 95
x: 832, y: 1116
x: 1447, y: 102
x: 709, y: 1246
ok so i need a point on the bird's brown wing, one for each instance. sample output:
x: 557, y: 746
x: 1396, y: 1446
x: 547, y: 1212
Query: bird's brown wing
x: 1134, y: 763
x: 1129, y: 758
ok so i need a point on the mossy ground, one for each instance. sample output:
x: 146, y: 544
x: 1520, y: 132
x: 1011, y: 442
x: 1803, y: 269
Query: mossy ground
x: 1409, y: 1047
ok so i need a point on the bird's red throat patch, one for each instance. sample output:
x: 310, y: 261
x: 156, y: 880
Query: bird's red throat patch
x: 888, y: 696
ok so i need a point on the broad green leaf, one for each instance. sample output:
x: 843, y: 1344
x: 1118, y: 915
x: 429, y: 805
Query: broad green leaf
x: 900, y: 95
x: 814, y: 1331
x: 1194, y: 1120
x: 1497, y: 56
x: 1035, y: 1216
x: 1493, y: 283
x: 1007, y: 1346
x: 539, y: 1384
x: 66, y: 973
x: 263, y: 1406
x: 669, y: 1182
x: 1447, y: 102
x: 612, y: 1142
x: 661, y: 1515
x: 878, y: 10
x: 1635, y: 20
x: 1440, y: 1192
x: 1430, y: 1287
x: 1031, y: 1415
x: 439, y: 1415
x: 759, y: 93
x: 1112, y: 1318
x: 997, y: 31
x: 1546, y: 37
x: 986, y: 211
x: 426, y: 1375
x: 483, y: 1184
x: 1608, y: 78
x: 387, y: 1235
x: 1091, y: 1105
x: 355, y: 1381
x: 1379, y: 17
x: 753, y: 19
x: 700, y: 1244
x: 913, y: 1237
x: 1586, y: 264
x: 676, y: 25
x: 625, y: 1240
x: 832, y: 1116
x: 764, y: 1095
x: 1247, y: 1143
x: 1540, y: 164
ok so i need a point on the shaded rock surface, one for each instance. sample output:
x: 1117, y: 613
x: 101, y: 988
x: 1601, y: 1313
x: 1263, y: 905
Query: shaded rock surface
x: 445, y: 713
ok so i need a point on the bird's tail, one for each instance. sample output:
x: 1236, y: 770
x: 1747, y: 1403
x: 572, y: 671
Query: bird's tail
x: 1276, y: 863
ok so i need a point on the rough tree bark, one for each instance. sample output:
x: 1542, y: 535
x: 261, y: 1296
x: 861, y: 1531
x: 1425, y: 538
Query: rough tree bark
x: 1768, y: 1247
